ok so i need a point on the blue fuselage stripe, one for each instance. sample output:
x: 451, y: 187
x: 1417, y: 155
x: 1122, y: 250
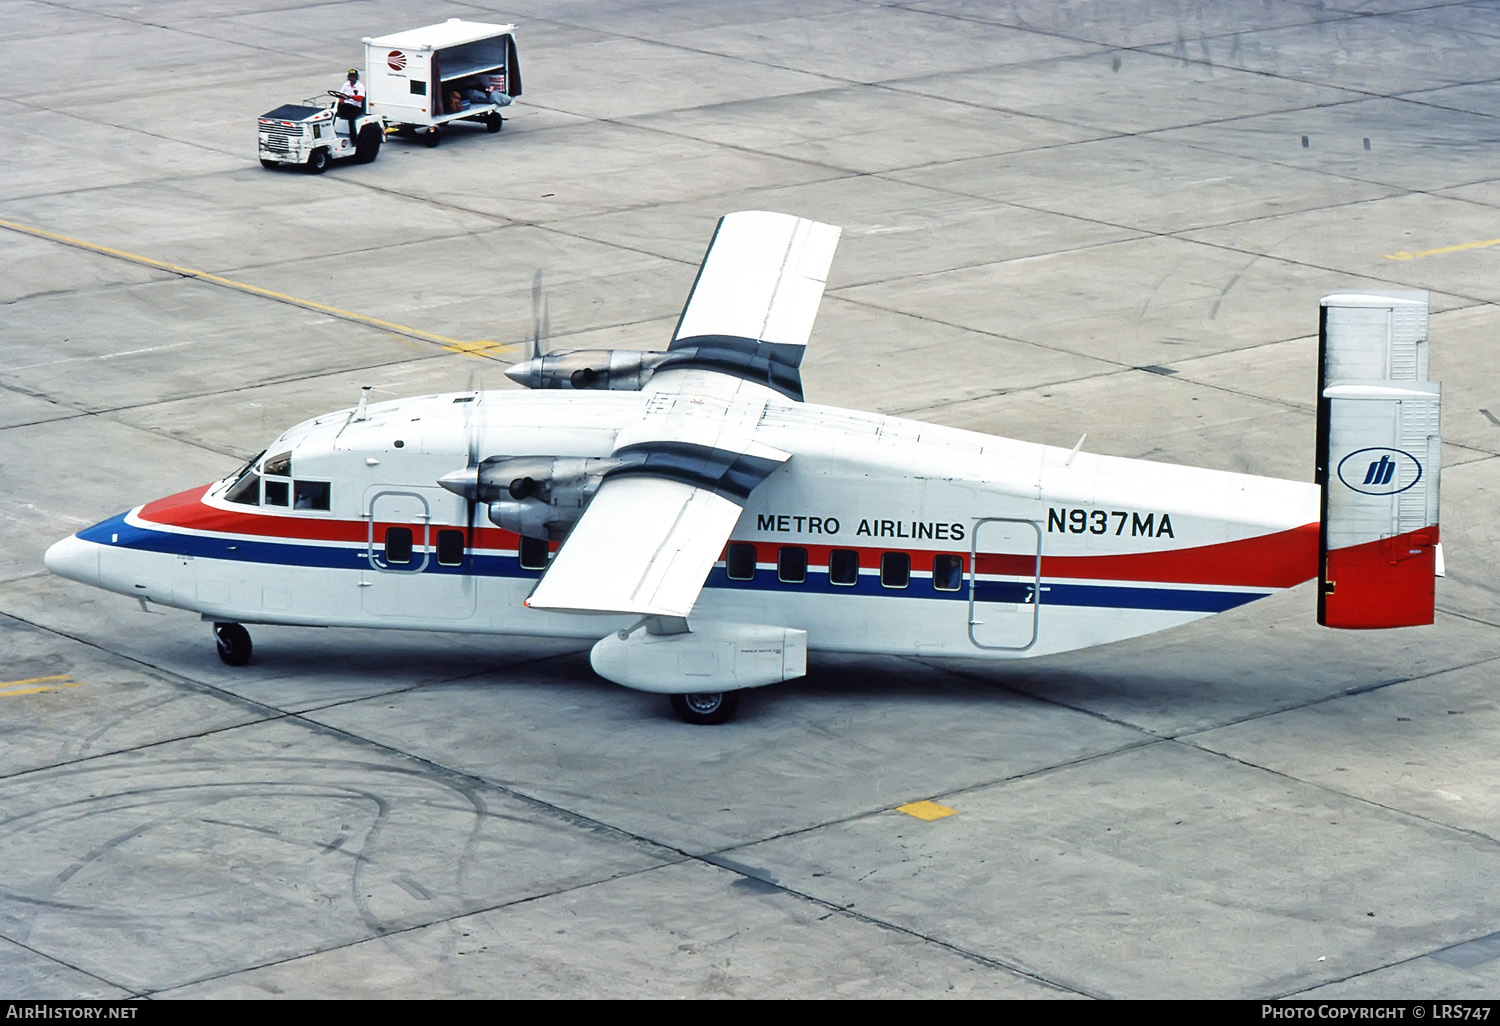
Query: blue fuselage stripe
x: 115, y: 532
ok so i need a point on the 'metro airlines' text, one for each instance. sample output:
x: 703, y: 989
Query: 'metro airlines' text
x: 788, y: 523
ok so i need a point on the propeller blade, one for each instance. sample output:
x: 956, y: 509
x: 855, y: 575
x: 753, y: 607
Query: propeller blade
x: 473, y: 468
x: 540, y: 320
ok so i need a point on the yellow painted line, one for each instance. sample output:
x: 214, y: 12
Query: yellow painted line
x: 33, y: 691
x: 484, y: 347
x: 927, y: 810
x: 55, y: 683
x: 451, y: 344
x: 1404, y: 255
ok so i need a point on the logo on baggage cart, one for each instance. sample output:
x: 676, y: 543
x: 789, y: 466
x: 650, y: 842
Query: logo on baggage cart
x: 1380, y: 471
x: 397, y: 60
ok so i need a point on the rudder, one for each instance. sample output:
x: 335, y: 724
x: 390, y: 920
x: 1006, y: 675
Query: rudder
x: 1379, y: 455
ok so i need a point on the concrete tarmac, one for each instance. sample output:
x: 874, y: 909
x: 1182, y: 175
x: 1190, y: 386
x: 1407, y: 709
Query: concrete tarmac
x: 1112, y: 217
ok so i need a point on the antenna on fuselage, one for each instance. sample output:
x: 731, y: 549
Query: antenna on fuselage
x: 1076, y: 446
x: 364, y: 399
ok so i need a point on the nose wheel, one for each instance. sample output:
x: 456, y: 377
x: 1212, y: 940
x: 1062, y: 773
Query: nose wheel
x: 706, y: 708
x: 234, y: 643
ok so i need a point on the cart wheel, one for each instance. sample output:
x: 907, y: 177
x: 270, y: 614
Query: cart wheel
x: 318, y: 162
x: 269, y: 165
x: 494, y: 122
x: 367, y: 144
x: 431, y: 138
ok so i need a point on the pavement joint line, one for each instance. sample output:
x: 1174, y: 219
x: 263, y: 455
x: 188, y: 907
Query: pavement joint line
x: 1379, y: 968
x: 76, y: 968
x: 452, y: 344
x: 1358, y: 799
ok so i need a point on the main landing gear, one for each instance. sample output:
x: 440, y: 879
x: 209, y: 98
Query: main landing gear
x: 234, y: 643
x: 707, y: 707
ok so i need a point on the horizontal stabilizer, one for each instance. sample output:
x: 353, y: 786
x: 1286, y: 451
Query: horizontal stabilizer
x: 1378, y: 462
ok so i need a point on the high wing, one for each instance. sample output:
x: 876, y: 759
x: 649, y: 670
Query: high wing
x: 652, y: 532
x: 645, y: 545
x: 751, y: 310
x: 657, y: 524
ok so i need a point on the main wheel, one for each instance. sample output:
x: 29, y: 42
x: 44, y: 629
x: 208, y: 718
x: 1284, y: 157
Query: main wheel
x: 318, y: 162
x: 431, y: 137
x: 494, y: 122
x: 234, y: 643
x: 367, y: 144
x: 706, y: 707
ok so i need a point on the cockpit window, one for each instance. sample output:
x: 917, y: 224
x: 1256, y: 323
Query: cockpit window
x: 276, y: 492
x: 312, y: 495
x: 279, y: 465
x: 246, y: 488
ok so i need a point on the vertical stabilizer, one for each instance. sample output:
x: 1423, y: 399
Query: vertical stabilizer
x: 1378, y: 461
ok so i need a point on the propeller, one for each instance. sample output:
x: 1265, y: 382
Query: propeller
x: 471, y: 469
x: 541, y: 326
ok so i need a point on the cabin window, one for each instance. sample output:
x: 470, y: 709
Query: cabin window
x: 843, y: 567
x: 791, y: 564
x: 397, y: 545
x: 450, y: 548
x: 739, y: 562
x: 947, y: 572
x: 534, y: 553
x: 895, y: 569
x: 418, y: 88
x: 277, y: 492
x: 313, y: 495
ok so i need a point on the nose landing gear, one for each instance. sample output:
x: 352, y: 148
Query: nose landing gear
x: 234, y: 643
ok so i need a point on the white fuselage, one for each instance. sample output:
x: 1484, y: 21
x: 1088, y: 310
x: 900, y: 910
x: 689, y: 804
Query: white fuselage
x: 878, y: 535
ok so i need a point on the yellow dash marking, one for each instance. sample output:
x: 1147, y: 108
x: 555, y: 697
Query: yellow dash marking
x: 927, y: 810
x: 481, y: 348
x: 16, y: 687
x: 255, y: 290
x: 33, y: 691
x: 1404, y: 255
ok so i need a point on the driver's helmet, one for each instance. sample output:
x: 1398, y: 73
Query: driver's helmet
x: 353, y: 73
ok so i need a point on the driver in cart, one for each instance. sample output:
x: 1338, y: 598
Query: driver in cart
x: 351, y: 100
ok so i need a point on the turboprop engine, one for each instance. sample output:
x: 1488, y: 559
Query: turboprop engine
x: 773, y: 364
x: 535, y: 496
x: 620, y: 369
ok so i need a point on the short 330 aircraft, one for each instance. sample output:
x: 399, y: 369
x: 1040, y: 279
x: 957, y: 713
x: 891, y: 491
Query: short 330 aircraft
x: 689, y: 511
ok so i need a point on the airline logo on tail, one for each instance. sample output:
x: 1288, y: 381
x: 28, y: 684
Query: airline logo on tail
x: 1380, y: 477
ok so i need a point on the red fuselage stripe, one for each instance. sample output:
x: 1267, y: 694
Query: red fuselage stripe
x: 1277, y: 560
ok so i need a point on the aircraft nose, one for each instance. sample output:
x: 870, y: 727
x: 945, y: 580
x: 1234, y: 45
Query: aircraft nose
x: 74, y: 559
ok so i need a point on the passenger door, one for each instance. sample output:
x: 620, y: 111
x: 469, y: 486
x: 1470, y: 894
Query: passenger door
x: 413, y: 571
x: 1005, y: 583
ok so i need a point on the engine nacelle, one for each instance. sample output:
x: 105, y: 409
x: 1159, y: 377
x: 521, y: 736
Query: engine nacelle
x: 536, y: 496
x: 619, y: 369
x: 539, y: 496
x: 710, y: 657
x: 532, y: 519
